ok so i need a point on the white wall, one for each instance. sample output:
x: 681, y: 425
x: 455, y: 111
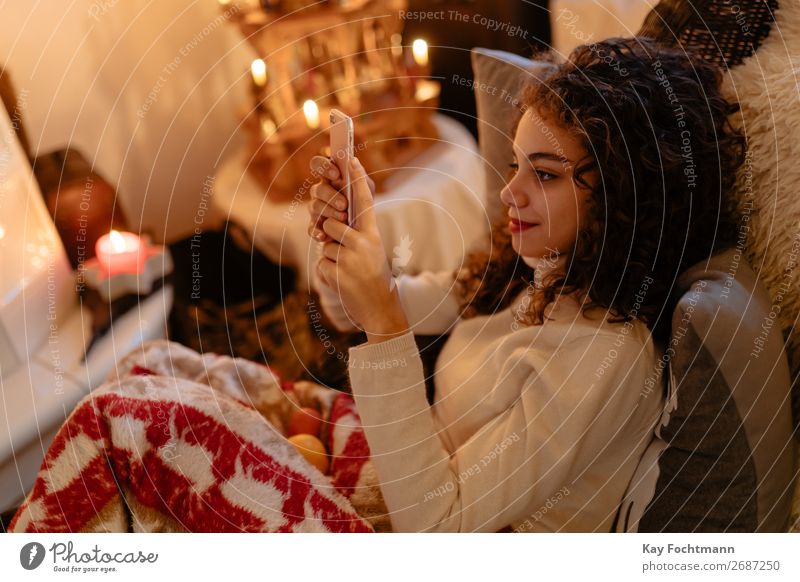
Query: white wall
x: 576, y: 22
x: 148, y: 89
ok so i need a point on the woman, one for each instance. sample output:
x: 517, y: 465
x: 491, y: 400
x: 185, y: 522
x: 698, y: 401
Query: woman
x: 547, y: 390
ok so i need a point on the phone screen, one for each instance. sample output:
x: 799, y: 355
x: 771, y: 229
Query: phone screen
x: 342, y: 153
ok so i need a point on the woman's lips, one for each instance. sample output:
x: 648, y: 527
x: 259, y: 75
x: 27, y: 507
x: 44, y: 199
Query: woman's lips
x: 515, y: 225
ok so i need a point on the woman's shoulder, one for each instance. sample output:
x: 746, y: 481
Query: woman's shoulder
x: 595, y: 329
x: 592, y: 351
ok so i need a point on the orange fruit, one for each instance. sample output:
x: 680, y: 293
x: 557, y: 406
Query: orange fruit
x: 312, y: 449
x: 305, y: 420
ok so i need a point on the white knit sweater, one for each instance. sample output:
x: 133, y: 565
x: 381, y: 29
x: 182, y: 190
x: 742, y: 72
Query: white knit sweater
x: 535, y: 427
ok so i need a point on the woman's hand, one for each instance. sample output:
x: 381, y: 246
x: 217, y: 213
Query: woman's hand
x: 354, y: 264
x: 327, y: 200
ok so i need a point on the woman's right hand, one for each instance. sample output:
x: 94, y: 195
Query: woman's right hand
x: 327, y: 200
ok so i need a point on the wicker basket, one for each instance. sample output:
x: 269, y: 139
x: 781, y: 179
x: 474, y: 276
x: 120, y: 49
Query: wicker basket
x: 724, y: 32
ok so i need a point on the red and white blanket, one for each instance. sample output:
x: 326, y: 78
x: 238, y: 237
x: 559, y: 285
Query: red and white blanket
x: 186, y: 442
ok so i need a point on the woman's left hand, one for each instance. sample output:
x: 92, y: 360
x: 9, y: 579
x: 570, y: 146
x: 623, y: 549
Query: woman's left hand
x: 354, y: 264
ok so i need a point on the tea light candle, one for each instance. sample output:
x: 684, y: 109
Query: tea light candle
x: 311, y: 111
x: 120, y: 252
x: 258, y: 69
x: 420, y: 51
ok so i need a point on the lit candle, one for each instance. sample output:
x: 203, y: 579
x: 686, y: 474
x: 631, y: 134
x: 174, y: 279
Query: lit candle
x: 258, y: 68
x: 397, y: 44
x: 269, y: 129
x: 120, y: 252
x: 311, y: 111
x: 420, y: 52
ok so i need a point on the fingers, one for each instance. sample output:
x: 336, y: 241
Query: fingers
x: 327, y: 171
x: 315, y: 231
x: 320, y: 209
x: 315, y: 219
x: 326, y: 202
x: 324, y: 168
x: 362, y: 198
x: 333, y: 251
x: 339, y: 232
x: 329, y: 195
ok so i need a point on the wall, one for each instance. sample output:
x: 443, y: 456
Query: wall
x: 576, y: 22
x: 149, y: 90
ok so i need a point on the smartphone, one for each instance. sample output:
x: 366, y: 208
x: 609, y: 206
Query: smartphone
x: 342, y: 151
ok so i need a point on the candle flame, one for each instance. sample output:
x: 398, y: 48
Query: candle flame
x: 311, y: 111
x: 258, y: 68
x: 420, y: 50
x: 117, y: 242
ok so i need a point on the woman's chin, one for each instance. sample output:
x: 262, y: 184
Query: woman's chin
x: 522, y: 249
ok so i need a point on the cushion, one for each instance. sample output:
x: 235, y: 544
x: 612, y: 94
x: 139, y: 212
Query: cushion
x: 722, y: 458
x: 765, y: 85
x: 498, y: 77
x: 769, y: 181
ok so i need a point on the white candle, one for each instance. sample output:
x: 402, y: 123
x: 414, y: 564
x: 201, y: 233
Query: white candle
x: 258, y: 68
x: 269, y: 129
x: 120, y: 252
x: 420, y: 51
x: 311, y: 111
x: 397, y: 44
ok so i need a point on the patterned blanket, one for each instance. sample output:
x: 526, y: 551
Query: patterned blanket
x: 180, y: 441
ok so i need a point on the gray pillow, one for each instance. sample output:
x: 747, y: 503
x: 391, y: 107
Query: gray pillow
x: 722, y: 459
x: 498, y: 77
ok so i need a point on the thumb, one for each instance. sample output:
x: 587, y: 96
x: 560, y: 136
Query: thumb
x: 364, y: 210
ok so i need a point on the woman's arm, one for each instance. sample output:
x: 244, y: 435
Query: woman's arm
x: 428, y: 299
x: 515, y: 463
x: 353, y: 278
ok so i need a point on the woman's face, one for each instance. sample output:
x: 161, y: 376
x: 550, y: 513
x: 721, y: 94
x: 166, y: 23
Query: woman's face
x: 545, y: 205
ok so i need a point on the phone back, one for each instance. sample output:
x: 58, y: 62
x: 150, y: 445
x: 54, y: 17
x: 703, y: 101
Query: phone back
x: 342, y: 152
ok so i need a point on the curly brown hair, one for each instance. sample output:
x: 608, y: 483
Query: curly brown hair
x: 655, y: 124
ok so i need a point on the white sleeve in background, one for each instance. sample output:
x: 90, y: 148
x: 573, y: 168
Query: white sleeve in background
x: 562, y: 421
x: 428, y: 299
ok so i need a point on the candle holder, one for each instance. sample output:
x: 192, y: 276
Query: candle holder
x: 156, y: 264
x: 344, y: 54
x: 109, y: 295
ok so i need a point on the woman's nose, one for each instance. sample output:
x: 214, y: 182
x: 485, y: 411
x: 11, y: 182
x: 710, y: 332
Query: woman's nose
x: 513, y: 196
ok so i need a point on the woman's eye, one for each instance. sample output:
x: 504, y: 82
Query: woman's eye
x: 542, y: 175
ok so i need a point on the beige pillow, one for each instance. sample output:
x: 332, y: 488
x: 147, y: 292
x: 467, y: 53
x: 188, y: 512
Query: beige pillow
x: 498, y: 77
x: 767, y: 189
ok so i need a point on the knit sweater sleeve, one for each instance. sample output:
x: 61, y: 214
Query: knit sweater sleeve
x: 428, y: 300
x: 513, y: 465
